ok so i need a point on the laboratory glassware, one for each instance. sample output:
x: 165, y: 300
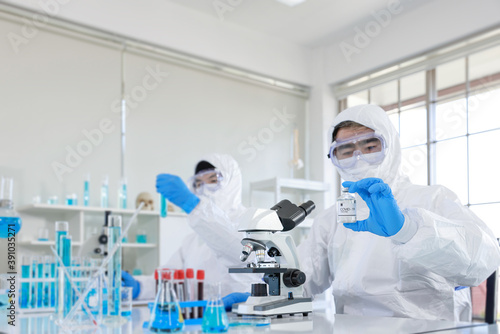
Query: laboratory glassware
x: 61, y: 230
x: 86, y: 190
x: 215, y: 318
x: 122, y: 194
x: 105, y: 192
x: 166, y: 315
x: 10, y: 222
x: 346, y: 207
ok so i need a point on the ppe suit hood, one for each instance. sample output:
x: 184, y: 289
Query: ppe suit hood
x: 375, y: 118
x: 228, y: 197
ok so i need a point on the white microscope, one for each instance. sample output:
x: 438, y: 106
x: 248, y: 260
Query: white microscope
x: 275, y: 257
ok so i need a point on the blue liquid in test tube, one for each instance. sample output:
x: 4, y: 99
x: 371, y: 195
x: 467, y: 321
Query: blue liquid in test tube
x: 122, y: 194
x: 61, y: 231
x: 86, y: 187
x: 66, y: 259
x: 163, y: 206
x: 114, y: 266
x: 25, y: 287
x: 40, y: 274
x: 104, y: 192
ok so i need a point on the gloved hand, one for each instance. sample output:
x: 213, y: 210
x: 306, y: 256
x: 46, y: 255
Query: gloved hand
x: 233, y: 298
x: 386, y: 219
x: 174, y: 190
x: 128, y: 280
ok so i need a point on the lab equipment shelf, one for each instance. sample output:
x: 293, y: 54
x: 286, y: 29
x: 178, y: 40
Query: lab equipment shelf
x: 280, y: 185
x: 86, y: 224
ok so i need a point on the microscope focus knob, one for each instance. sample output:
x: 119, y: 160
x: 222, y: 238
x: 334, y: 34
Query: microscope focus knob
x: 259, y: 290
x: 294, y: 278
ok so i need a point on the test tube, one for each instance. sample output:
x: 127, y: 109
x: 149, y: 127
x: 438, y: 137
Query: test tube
x: 47, y: 264
x: 86, y: 189
x: 104, y: 192
x: 200, y: 277
x: 190, y: 291
x: 122, y: 194
x: 61, y: 231
x: 34, y: 286
x: 114, y: 266
x: 66, y: 259
x: 163, y: 206
x: 40, y: 264
x: 25, y: 286
x: 179, y: 278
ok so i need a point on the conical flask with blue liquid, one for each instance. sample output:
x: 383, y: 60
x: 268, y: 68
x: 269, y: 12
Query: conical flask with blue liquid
x: 166, y: 315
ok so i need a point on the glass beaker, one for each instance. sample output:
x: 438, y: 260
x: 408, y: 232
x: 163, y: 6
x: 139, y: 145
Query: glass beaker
x: 215, y: 318
x: 166, y: 315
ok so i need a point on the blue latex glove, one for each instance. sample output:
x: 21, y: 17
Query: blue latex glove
x: 233, y: 298
x: 174, y: 190
x: 386, y: 219
x: 128, y: 280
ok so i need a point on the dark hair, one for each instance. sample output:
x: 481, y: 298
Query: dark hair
x: 203, y: 165
x: 345, y: 124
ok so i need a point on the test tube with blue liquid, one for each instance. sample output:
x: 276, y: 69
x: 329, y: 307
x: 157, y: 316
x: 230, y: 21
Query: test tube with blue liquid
x: 163, y: 206
x: 122, y: 193
x: 25, y: 286
x: 65, y: 288
x: 86, y: 190
x: 61, y: 231
x: 40, y: 274
x: 105, y: 192
x: 114, y: 270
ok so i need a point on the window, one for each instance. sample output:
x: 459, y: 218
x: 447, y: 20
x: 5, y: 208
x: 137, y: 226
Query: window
x: 448, y: 118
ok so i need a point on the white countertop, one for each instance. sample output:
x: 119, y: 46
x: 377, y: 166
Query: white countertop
x: 317, y: 322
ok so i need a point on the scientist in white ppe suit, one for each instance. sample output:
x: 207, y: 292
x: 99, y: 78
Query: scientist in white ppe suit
x: 412, y: 248
x: 212, y: 200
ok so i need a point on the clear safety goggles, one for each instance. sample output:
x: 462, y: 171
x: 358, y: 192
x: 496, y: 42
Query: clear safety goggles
x: 368, y: 146
x: 209, y: 179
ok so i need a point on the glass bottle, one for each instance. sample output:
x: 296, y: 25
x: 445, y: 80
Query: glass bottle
x: 346, y: 207
x: 10, y: 222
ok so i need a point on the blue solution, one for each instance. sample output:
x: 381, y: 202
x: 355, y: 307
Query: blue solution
x: 167, y: 319
x: 123, y: 196
x: 215, y: 319
x: 114, y: 272
x: 163, y: 206
x: 141, y: 239
x: 9, y: 226
x: 59, y: 235
x: 86, y: 197
x: 104, y: 195
x: 52, y: 285
x: 33, y: 285
x: 66, y: 259
x: 126, y: 313
x: 39, y: 294
x: 25, y: 287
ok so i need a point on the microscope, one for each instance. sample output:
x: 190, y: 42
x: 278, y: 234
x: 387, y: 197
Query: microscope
x: 276, y: 258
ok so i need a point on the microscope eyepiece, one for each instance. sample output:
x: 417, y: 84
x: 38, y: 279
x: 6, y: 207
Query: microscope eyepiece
x: 292, y: 215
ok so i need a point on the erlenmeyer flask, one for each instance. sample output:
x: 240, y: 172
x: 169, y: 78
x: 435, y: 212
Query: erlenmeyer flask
x: 166, y: 316
x: 215, y: 318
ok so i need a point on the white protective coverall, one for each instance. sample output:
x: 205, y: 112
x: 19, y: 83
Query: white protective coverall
x: 442, y: 245
x: 215, y: 244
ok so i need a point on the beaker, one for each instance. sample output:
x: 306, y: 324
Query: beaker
x: 166, y: 313
x: 215, y: 318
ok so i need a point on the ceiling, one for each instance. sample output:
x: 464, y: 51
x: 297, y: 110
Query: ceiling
x: 311, y: 23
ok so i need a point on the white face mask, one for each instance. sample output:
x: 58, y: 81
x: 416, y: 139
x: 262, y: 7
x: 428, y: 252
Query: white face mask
x: 360, y: 170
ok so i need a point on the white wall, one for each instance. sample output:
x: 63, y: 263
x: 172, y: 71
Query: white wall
x: 176, y: 27
x: 410, y: 30
x: 60, y: 87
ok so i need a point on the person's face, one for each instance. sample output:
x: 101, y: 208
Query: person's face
x: 205, y: 178
x: 362, y: 142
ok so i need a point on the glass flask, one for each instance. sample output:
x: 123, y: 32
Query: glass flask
x: 166, y: 315
x: 215, y: 318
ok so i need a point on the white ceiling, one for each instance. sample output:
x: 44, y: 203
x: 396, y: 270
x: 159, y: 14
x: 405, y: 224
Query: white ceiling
x: 310, y: 24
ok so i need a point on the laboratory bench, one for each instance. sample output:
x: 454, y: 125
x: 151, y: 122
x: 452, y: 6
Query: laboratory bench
x: 316, y: 322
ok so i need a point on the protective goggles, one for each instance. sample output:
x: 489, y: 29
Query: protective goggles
x: 209, y: 179
x: 368, y: 146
